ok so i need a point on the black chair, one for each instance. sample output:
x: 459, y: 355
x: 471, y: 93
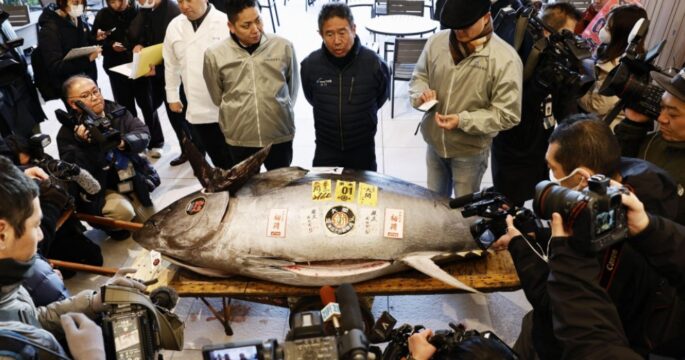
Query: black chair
x: 407, y: 52
x: 271, y: 5
x: 19, y: 14
x: 405, y: 7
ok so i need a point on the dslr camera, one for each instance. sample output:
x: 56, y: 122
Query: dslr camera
x: 596, y: 214
x: 100, y: 128
x: 630, y: 80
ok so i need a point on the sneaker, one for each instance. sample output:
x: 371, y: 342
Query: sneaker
x: 179, y: 160
x: 154, y: 153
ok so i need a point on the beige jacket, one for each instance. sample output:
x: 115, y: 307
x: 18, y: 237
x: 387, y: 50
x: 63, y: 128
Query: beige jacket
x: 592, y: 101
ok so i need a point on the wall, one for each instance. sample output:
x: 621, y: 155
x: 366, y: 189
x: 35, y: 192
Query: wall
x: 667, y: 23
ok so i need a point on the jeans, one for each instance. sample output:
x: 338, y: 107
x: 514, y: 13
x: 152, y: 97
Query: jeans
x: 462, y: 173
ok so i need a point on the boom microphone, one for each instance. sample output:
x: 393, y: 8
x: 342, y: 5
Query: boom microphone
x: 331, y: 309
x: 353, y: 344
x: 71, y: 172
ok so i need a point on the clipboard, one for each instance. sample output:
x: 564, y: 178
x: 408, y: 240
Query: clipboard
x: 80, y: 52
x: 148, y: 56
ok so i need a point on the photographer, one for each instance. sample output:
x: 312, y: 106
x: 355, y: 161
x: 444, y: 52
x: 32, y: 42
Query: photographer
x: 469, y: 348
x: 20, y: 234
x: 586, y: 322
x: 664, y: 147
x: 579, y: 148
x: 125, y: 177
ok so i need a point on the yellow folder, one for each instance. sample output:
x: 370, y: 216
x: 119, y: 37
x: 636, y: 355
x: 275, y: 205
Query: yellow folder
x: 148, y: 56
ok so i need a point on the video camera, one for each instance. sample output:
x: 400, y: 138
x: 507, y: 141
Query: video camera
x: 136, y: 326
x: 558, y: 58
x: 100, y: 127
x: 493, y: 209
x: 630, y: 80
x: 596, y: 214
x: 307, y: 339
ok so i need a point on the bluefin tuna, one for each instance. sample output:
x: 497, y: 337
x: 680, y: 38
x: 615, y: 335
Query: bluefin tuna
x: 307, y: 228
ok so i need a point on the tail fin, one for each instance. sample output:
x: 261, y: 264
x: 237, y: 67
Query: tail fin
x: 423, y: 262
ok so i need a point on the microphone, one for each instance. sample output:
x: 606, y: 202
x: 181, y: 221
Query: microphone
x: 331, y: 309
x: 71, y: 172
x: 353, y: 344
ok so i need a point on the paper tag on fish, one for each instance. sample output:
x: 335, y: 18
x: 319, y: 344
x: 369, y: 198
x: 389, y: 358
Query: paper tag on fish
x: 155, y: 258
x: 327, y: 170
x: 277, y: 222
x: 370, y: 221
x: 394, y: 223
x: 344, y: 190
x: 311, y: 221
x: 368, y: 194
x: 321, y: 190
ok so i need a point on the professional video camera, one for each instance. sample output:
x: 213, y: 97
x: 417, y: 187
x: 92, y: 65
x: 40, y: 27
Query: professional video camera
x: 557, y: 58
x: 10, y: 67
x: 596, y: 214
x: 307, y: 339
x: 630, y: 80
x: 136, y: 326
x: 493, y: 209
x: 100, y: 127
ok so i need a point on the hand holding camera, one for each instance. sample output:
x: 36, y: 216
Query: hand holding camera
x: 83, y: 336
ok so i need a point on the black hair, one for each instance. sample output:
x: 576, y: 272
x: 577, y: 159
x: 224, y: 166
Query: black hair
x: 555, y: 15
x: 336, y: 9
x: 234, y: 7
x: 585, y: 140
x: 63, y: 4
x: 620, y: 21
x: 18, y: 190
x: 68, y: 83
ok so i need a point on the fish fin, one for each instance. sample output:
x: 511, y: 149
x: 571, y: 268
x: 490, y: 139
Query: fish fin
x: 201, y: 168
x: 197, y: 269
x: 423, y: 262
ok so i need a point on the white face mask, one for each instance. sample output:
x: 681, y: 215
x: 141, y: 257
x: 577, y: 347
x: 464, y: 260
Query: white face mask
x: 604, y: 36
x: 75, y: 10
x: 148, y: 4
x: 559, y: 181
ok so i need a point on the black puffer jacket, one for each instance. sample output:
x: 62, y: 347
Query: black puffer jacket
x: 108, y: 19
x: 56, y: 37
x: 346, y: 101
x: 88, y: 156
x: 149, y: 27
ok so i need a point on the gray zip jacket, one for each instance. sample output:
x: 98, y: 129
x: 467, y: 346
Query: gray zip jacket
x: 255, y: 92
x: 484, y: 90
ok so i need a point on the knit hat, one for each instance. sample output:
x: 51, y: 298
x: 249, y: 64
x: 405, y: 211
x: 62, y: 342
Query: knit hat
x: 460, y: 14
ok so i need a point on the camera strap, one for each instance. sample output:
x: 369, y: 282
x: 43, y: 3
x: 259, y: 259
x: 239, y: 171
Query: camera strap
x: 610, y: 263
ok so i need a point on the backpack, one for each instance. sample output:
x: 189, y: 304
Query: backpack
x: 41, y: 76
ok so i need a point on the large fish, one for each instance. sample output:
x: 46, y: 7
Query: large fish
x: 307, y: 228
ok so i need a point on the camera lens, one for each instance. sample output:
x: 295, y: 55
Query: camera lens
x: 551, y: 197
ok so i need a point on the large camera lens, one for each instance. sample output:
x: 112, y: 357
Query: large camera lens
x: 551, y: 197
x: 635, y: 91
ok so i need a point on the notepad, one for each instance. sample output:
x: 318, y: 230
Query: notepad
x: 427, y: 105
x: 79, y: 52
x: 148, y: 56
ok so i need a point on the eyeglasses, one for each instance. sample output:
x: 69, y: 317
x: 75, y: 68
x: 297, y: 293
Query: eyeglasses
x: 88, y: 94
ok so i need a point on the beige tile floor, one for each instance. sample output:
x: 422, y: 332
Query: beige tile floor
x: 400, y: 154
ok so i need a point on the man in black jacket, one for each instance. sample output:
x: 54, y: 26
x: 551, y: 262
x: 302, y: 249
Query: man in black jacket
x: 650, y: 313
x: 347, y: 84
x: 126, y: 179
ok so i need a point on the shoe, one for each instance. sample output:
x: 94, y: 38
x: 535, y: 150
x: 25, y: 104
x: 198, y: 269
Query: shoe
x: 179, y: 160
x: 119, y: 235
x: 154, y: 153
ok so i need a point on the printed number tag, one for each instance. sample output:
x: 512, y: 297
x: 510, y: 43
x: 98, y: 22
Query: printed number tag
x: 277, y: 221
x: 368, y: 194
x: 344, y: 190
x: 321, y: 190
x: 394, y: 223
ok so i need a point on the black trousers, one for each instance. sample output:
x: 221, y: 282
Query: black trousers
x: 178, y: 120
x: 281, y: 155
x: 360, y: 158
x: 127, y: 92
x: 213, y: 141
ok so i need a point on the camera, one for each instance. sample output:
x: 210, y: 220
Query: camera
x: 100, y: 128
x: 137, y: 327
x: 630, y: 80
x: 596, y: 214
x: 493, y: 209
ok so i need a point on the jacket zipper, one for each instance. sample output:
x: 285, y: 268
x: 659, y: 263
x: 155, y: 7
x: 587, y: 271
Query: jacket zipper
x: 447, y: 104
x: 342, y: 141
x: 254, y: 89
x: 349, y: 97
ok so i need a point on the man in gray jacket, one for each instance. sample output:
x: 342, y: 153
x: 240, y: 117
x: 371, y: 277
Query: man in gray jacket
x: 476, y: 78
x: 252, y: 77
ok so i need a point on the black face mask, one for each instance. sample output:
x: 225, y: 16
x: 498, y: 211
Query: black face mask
x: 14, y: 272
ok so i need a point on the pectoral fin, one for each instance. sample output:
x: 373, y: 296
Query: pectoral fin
x: 423, y: 262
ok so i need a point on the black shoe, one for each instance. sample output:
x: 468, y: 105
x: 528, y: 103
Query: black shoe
x: 179, y: 160
x: 119, y: 235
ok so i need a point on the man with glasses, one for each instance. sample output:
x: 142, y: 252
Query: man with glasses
x: 125, y: 177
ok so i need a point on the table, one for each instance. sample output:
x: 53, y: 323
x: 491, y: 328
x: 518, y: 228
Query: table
x: 400, y: 26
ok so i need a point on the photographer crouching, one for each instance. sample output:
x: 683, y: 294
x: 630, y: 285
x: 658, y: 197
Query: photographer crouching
x: 105, y: 139
x: 20, y: 320
x: 650, y: 312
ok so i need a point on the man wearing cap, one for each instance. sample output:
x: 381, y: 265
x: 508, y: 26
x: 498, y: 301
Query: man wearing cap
x: 664, y: 147
x: 476, y: 78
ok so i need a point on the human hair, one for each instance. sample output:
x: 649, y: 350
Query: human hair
x: 17, y: 191
x: 63, y: 4
x: 585, y: 140
x: 234, y: 7
x: 620, y: 21
x: 68, y: 83
x: 335, y: 9
x: 555, y: 15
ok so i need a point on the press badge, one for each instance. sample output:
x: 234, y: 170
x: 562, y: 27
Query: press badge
x: 125, y: 186
x: 548, y: 120
x: 127, y: 173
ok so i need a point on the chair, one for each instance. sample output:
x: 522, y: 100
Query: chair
x: 405, y: 7
x: 271, y: 5
x: 407, y: 52
x: 19, y: 14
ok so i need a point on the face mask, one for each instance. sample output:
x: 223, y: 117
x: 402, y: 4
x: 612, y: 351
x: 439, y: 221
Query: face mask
x: 605, y: 36
x: 13, y: 271
x: 75, y: 10
x: 148, y: 4
x: 559, y: 181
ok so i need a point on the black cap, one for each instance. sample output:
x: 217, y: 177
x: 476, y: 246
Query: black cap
x: 674, y: 85
x: 460, y: 14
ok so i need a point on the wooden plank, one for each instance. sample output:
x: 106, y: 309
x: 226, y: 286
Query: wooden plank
x: 495, y: 272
